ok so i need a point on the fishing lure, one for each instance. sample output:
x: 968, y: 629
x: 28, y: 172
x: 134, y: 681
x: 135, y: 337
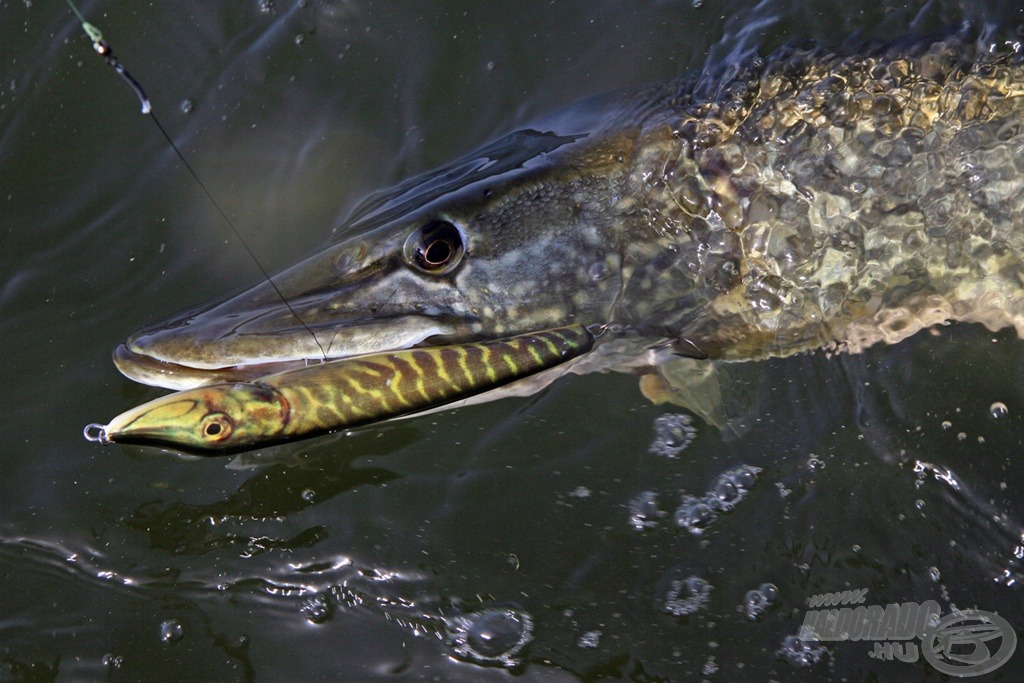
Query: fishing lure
x: 305, y: 402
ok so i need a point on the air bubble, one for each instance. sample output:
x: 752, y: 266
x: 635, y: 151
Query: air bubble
x: 490, y: 636
x: 946, y: 424
x: 673, y: 432
x: 644, y: 512
x: 589, y: 640
x: 962, y: 436
x: 171, y: 631
x: 598, y: 271
x: 757, y: 602
x: 187, y: 106
x: 801, y: 654
x: 695, y: 515
x: 732, y: 487
x: 934, y: 574
x: 998, y: 410
x: 686, y: 596
x: 318, y: 609
x: 580, y: 492
x: 308, y: 495
x: 300, y: 38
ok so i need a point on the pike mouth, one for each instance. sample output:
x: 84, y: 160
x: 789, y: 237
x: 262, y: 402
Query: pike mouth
x: 173, y: 358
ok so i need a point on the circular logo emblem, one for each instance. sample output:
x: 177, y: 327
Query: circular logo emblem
x: 961, y: 643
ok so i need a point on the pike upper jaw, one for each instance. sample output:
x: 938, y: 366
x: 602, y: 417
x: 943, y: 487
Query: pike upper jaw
x: 180, y: 357
x: 255, y: 334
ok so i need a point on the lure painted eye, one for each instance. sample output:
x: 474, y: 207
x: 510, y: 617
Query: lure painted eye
x: 435, y: 248
x: 216, y: 427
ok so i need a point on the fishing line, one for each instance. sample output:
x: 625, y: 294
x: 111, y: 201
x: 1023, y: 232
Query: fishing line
x: 102, y: 47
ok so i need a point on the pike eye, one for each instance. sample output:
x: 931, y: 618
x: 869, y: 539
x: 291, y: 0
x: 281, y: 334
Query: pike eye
x: 216, y: 427
x: 435, y: 248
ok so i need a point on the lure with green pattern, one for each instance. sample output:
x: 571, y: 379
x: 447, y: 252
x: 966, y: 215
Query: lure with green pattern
x: 300, y: 403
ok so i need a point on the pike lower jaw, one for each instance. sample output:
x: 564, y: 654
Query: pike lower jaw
x: 147, y: 370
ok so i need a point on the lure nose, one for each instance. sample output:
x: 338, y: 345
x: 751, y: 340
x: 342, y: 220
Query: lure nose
x: 169, y: 418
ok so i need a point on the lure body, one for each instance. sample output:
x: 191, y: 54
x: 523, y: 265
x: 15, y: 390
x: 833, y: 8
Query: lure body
x: 301, y: 403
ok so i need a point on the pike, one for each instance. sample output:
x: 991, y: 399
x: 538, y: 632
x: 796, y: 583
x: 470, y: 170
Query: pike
x: 804, y: 200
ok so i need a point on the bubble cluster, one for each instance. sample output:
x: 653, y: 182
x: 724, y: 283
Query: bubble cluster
x: 697, y: 513
x: 112, y: 661
x: 800, y: 653
x: 732, y: 487
x: 757, y: 602
x: 318, y: 609
x: 490, y: 636
x: 686, y: 596
x: 673, y: 432
x: 171, y: 631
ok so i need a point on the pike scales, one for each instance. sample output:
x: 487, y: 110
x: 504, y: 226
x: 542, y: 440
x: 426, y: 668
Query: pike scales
x: 829, y: 199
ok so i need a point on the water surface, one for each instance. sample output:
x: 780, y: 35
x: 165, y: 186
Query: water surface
x: 536, y: 537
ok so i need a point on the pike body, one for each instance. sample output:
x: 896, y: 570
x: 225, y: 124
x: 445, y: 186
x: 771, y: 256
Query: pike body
x: 808, y: 199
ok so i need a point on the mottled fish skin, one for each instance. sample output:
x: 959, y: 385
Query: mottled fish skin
x: 824, y: 199
x: 301, y: 403
x: 812, y: 198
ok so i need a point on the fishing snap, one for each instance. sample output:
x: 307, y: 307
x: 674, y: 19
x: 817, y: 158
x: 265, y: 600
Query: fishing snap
x: 614, y: 329
x: 96, y: 433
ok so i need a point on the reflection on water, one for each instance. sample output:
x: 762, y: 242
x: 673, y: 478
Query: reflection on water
x: 580, y: 533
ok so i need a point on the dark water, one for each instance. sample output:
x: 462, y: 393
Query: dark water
x: 532, y: 538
